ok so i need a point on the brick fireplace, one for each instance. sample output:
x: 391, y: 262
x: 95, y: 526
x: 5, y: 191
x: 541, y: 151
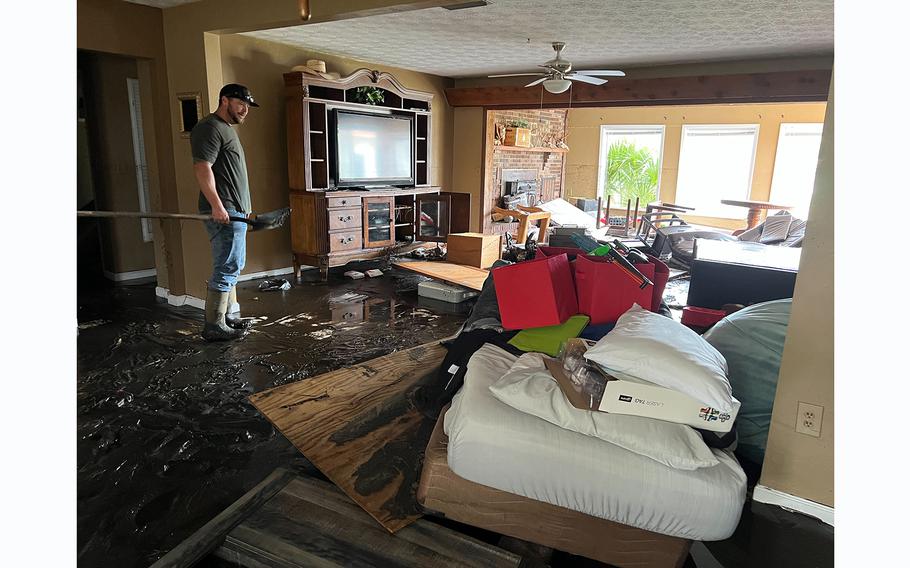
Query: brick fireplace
x: 543, y: 163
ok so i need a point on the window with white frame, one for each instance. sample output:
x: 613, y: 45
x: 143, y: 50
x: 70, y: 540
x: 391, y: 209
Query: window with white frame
x: 630, y: 163
x: 715, y: 163
x: 794, y: 166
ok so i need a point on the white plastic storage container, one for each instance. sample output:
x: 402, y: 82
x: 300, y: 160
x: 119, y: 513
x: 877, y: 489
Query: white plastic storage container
x: 445, y: 292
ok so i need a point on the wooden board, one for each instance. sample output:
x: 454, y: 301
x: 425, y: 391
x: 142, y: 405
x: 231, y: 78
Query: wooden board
x: 312, y: 523
x: 535, y: 521
x: 467, y: 276
x: 360, y: 426
x: 772, y: 86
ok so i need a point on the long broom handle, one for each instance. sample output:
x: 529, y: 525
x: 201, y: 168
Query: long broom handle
x: 136, y: 214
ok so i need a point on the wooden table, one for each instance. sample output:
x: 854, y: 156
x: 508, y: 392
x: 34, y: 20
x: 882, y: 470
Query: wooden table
x: 756, y: 209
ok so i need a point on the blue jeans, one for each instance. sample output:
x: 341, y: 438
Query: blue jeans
x: 228, y: 251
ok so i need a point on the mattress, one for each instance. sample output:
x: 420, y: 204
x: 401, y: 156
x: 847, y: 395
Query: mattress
x: 492, y: 444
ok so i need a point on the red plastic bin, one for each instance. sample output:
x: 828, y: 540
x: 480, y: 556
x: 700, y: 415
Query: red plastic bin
x: 605, y: 291
x: 701, y: 317
x: 535, y: 293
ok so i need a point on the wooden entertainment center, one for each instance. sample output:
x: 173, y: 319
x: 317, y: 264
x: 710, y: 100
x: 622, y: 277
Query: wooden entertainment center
x: 331, y: 225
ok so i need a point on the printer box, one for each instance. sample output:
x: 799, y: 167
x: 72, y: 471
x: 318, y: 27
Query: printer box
x: 641, y: 398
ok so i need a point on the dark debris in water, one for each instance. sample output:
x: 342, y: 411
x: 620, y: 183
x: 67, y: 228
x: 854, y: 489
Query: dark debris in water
x: 166, y: 438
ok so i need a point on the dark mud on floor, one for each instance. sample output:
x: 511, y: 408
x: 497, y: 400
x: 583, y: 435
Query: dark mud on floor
x: 166, y: 436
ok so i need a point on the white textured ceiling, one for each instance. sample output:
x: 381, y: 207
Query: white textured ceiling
x: 509, y: 36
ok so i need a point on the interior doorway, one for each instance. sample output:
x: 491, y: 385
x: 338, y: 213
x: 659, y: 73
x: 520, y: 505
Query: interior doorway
x: 112, y: 172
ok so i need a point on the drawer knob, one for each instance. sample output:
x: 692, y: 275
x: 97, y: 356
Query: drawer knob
x: 345, y: 218
x: 346, y: 240
x: 344, y: 201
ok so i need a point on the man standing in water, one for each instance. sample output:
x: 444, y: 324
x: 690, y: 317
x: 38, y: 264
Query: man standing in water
x: 220, y: 169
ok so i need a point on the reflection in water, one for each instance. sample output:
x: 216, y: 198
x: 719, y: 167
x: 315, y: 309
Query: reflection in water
x: 166, y: 436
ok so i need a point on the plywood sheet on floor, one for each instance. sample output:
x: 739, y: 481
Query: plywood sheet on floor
x: 360, y: 426
x: 311, y: 523
x: 467, y: 276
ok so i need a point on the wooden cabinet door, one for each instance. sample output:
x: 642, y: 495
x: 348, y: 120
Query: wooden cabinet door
x: 459, y: 211
x: 442, y: 214
x: 432, y: 218
x: 378, y: 222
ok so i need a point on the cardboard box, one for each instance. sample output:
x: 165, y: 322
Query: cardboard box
x: 517, y: 137
x: 640, y: 398
x: 473, y: 249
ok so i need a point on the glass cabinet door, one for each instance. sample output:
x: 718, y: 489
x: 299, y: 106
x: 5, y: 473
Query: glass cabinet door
x: 433, y: 219
x: 378, y: 224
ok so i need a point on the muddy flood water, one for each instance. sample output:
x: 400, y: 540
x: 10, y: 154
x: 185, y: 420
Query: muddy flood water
x: 166, y: 436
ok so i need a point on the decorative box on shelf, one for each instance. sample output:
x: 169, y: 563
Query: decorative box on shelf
x: 517, y: 137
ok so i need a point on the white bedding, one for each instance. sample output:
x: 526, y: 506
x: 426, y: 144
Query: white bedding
x: 495, y: 445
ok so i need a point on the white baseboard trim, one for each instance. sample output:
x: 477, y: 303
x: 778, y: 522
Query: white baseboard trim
x: 182, y: 300
x: 770, y: 496
x: 187, y: 300
x: 266, y: 274
x: 132, y: 275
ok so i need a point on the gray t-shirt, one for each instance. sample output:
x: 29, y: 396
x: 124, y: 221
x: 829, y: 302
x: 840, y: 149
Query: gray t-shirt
x: 214, y: 141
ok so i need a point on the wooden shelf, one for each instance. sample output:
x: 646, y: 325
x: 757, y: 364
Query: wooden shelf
x: 532, y: 149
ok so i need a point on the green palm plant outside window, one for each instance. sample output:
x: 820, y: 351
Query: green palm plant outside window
x: 632, y: 172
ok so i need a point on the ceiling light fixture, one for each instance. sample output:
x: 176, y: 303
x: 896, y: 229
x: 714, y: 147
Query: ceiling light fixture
x: 557, y: 86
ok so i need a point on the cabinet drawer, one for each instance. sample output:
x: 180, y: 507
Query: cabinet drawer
x: 345, y: 240
x: 344, y: 218
x: 332, y: 202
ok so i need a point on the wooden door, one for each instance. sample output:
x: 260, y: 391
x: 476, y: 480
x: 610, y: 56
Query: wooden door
x: 432, y: 218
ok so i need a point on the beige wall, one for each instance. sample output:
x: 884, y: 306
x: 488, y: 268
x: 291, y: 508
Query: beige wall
x: 200, y: 61
x: 259, y: 65
x: 795, y: 463
x: 115, y: 186
x: 467, y: 157
x: 584, y: 143
x: 132, y: 30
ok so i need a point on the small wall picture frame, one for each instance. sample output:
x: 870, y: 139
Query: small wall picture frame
x: 190, y: 111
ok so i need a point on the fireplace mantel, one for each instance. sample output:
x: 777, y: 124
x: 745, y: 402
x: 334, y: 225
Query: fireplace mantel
x: 533, y: 149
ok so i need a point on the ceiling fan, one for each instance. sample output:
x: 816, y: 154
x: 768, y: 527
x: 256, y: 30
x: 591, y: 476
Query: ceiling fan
x: 559, y: 74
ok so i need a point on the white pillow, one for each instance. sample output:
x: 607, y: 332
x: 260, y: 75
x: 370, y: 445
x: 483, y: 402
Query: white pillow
x: 528, y: 387
x: 657, y: 349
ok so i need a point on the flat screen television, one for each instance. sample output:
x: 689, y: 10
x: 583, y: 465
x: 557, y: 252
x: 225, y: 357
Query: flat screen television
x: 372, y: 150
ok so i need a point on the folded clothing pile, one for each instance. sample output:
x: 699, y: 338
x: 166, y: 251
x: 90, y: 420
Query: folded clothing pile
x: 781, y: 229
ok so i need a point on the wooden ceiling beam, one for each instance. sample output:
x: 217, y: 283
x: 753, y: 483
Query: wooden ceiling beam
x: 779, y: 86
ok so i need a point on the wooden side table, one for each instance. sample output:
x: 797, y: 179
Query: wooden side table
x: 756, y: 209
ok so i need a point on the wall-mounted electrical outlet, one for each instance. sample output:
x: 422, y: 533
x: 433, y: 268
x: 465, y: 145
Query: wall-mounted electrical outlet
x: 809, y: 419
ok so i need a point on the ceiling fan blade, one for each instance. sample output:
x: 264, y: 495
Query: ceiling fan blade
x: 601, y: 72
x: 538, y: 81
x: 586, y: 79
x: 518, y: 75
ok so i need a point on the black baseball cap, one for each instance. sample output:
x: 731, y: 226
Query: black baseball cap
x: 235, y: 91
